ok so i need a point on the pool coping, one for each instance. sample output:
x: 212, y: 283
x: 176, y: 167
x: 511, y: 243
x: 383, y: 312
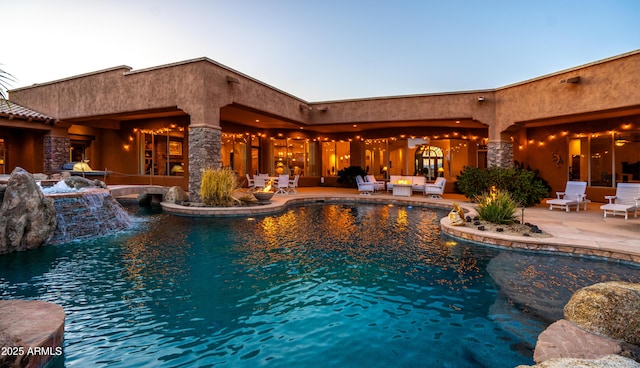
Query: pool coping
x: 38, y: 328
x: 551, y: 244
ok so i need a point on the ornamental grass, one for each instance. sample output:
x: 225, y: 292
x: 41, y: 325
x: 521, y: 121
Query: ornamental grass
x: 217, y: 187
x: 497, y: 206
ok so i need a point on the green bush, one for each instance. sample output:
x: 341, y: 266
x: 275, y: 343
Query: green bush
x: 497, y: 207
x: 347, y: 176
x: 217, y: 187
x: 472, y: 181
x: 524, y: 185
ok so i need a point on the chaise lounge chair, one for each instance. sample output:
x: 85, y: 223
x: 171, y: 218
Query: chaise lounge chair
x: 363, y: 186
x: 573, y: 195
x: 626, y: 200
x: 435, y: 190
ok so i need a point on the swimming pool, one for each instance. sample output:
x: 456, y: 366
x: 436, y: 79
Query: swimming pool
x: 321, y: 285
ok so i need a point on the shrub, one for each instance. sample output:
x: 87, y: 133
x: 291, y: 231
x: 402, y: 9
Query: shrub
x: 347, y: 176
x: 217, y: 187
x: 524, y: 185
x: 472, y: 181
x: 497, y: 207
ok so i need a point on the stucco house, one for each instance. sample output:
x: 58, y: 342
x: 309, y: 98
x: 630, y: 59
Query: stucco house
x: 162, y: 125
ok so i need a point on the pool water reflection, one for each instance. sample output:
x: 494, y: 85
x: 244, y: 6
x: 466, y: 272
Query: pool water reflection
x: 320, y: 285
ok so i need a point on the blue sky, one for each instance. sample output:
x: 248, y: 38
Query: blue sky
x: 322, y: 50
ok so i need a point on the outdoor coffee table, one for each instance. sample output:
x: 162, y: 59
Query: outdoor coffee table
x: 402, y: 190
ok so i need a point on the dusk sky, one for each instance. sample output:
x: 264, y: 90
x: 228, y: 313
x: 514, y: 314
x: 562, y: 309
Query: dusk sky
x: 321, y: 50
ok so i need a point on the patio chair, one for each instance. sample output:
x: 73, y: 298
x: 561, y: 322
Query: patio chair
x: 573, y: 195
x: 377, y: 185
x: 626, y: 200
x: 250, y: 183
x: 283, y: 184
x: 259, y: 182
x: 363, y: 186
x: 293, y: 184
x: 435, y: 190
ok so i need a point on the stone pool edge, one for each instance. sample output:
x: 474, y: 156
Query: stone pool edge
x: 37, y: 330
x: 537, y: 244
x: 281, y: 204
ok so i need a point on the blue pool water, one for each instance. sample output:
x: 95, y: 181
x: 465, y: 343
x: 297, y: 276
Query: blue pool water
x: 332, y: 285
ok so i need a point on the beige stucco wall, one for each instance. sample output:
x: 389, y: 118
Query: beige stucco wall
x: 200, y: 88
x: 606, y: 85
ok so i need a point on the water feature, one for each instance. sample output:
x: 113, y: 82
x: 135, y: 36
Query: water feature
x: 319, y: 285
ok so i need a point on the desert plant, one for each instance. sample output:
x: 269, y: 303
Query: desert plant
x: 347, y: 176
x: 217, y: 187
x: 524, y: 185
x: 496, y: 206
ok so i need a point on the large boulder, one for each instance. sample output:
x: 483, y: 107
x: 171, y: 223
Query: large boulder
x: 176, y: 194
x: 27, y: 217
x: 79, y: 182
x: 609, y: 309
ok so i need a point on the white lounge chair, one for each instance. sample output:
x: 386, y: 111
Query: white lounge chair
x: 435, y: 190
x: 573, y: 195
x: 363, y: 186
x: 377, y: 185
x: 626, y: 200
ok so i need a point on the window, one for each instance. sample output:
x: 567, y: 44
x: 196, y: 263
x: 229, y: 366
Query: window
x: 335, y: 157
x: 604, y: 159
x: 3, y: 156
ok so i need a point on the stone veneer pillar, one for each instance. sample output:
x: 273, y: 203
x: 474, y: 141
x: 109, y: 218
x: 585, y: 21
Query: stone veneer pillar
x: 56, y: 153
x: 499, y: 154
x: 205, y: 144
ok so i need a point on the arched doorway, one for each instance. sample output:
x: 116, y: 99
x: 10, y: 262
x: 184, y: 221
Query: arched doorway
x: 429, y: 161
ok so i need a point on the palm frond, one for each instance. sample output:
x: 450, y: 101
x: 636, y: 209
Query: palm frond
x: 5, y: 83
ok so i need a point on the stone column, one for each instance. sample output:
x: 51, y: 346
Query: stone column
x: 499, y: 154
x: 56, y: 153
x: 205, y: 144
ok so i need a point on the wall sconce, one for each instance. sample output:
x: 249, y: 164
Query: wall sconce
x: 481, y: 99
x: 323, y: 108
x: 304, y: 107
x: 572, y: 80
x: 231, y: 79
x: 619, y: 142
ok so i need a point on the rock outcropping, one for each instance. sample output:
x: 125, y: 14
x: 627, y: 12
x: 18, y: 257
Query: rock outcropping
x: 601, y: 328
x: 176, y: 194
x: 27, y: 217
x: 609, y: 309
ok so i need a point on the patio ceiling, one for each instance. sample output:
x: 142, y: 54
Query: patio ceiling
x: 578, y: 118
x: 257, y: 119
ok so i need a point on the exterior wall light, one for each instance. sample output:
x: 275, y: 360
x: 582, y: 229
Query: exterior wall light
x: 231, y: 79
x: 572, y: 80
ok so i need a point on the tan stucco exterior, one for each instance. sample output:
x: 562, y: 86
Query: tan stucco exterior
x: 208, y: 94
